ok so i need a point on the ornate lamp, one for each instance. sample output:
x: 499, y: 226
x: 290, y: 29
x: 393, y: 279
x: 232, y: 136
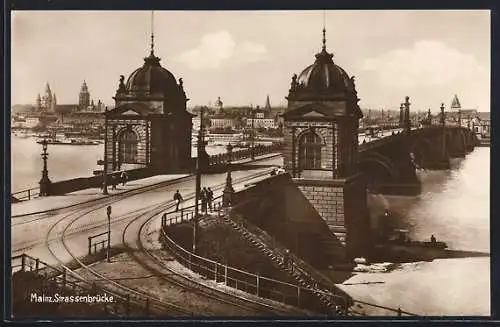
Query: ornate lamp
x: 44, y: 181
x: 227, y: 194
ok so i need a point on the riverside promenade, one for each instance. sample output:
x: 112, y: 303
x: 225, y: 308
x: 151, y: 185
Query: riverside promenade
x: 46, y: 227
x: 42, y: 204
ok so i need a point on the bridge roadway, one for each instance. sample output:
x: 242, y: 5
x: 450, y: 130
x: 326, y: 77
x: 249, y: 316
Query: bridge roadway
x: 60, y: 236
x: 32, y: 220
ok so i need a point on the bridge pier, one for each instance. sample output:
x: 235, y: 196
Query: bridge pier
x: 342, y: 203
x: 404, y: 189
x: 442, y: 164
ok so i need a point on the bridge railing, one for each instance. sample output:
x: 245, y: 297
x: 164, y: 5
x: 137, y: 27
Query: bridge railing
x: 27, y: 194
x: 53, y: 277
x: 261, y: 286
x: 259, y: 150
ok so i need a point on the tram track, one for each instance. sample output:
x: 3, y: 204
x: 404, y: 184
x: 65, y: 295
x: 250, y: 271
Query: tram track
x: 155, y: 264
x: 112, y: 198
x: 112, y: 286
x: 148, y: 213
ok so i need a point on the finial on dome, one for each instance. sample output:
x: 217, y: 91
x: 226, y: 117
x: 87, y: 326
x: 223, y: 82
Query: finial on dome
x: 324, y: 30
x: 152, y: 33
x: 324, y: 38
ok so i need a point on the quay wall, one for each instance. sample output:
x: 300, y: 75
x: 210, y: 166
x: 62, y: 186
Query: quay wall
x: 77, y: 184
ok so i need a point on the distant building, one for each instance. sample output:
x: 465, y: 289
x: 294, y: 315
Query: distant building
x: 482, y: 124
x: 47, y: 102
x: 84, y: 97
x: 222, y: 122
x: 261, y: 122
x: 32, y: 121
x: 218, y: 106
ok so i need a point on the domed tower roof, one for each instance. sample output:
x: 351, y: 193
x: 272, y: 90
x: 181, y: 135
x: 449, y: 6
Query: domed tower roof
x: 152, y: 82
x: 151, y: 79
x: 324, y: 81
x: 323, y: 77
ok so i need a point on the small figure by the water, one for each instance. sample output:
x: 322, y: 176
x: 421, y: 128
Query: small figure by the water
x: 178, y: 199
x: 433, y: 239
x: 210, y: 197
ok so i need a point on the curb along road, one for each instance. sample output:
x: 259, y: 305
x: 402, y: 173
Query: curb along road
x: 159, y: 184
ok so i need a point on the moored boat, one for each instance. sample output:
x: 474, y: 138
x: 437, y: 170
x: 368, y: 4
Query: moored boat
x: 69, y: 142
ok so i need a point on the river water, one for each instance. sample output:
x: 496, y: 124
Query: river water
x: 454, y: 206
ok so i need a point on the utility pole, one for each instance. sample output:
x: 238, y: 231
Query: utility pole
x: 105, y: 170
x: 199, y: 148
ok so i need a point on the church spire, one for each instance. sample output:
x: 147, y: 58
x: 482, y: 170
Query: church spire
x: 268, y: 104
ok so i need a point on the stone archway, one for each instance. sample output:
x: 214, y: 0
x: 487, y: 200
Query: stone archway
x: 378, y: 169
x: 423, y: 151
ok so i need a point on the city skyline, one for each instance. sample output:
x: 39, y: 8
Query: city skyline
x: 430, y: 57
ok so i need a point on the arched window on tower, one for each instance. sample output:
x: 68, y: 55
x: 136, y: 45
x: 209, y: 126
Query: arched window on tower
x: 128, y: 147
x: 310, y: 151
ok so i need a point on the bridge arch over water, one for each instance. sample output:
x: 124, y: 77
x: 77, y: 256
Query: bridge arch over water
x: 377, y: 168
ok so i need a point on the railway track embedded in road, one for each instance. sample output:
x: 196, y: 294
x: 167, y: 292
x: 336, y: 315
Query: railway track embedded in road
x: 148, y: 213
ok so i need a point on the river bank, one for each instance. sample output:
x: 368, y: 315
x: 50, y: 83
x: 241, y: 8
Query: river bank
x: 454, y: 206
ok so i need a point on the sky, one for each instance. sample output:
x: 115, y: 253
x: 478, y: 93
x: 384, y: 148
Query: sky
x: 242, y: 56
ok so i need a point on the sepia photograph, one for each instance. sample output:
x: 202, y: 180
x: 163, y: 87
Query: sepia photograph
x: 278, y: 164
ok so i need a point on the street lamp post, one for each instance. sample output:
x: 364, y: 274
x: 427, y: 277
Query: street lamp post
x: 227, y: 194
x: 252, y: 153
x: 199, y: 152
x: 108, y: 212
x: 442, y: 120
x: 105, y: 169
x: 44, y: 181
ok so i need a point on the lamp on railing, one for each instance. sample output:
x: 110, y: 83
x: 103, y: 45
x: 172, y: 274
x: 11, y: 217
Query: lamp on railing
x: 105, y: 168
x: 227, y: 194
x: 44, y: 181
x: 200, y: 150
x: 442, y: 118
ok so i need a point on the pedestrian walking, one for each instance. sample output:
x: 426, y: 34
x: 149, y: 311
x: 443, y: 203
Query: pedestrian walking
x: 204, y: 196
x: 113, y: 181
x: 177, y: 198
x: 124, y: 178
x: 210, y: 197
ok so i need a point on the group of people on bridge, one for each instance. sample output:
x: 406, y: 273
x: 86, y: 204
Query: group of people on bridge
x: 206, y: 198
x: 117, y: 178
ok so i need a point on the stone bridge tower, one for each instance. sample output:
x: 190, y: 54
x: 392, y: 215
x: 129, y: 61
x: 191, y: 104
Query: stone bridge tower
x: 150, y: 126
x: 321, y: 149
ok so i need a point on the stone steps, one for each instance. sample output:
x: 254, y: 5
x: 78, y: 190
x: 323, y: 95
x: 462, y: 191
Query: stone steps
x: 305, y: 281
